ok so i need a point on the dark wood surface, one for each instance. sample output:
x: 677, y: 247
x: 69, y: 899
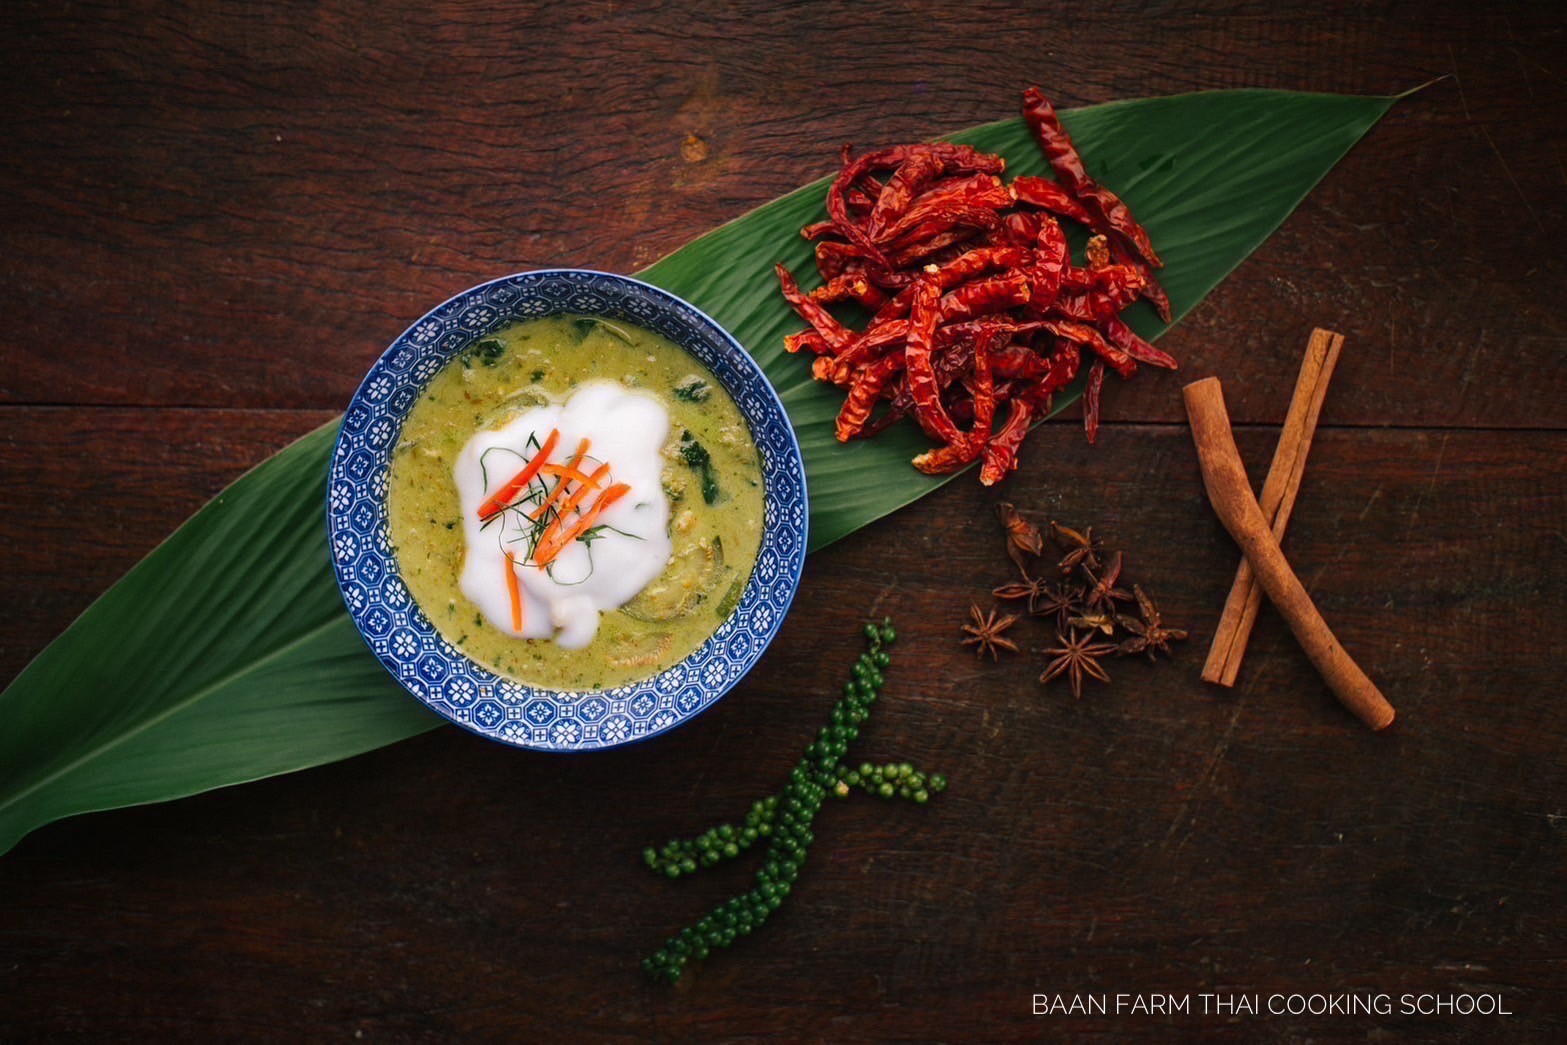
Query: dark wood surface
x: 213, y: 217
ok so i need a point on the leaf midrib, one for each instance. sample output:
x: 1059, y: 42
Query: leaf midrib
x: 202, y: 693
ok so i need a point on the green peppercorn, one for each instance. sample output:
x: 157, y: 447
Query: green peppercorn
x: 788, y: 826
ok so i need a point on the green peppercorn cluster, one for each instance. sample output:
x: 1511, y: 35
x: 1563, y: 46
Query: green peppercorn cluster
x: 890, y: 781
x: 724, y: 842
x: 785, y: 819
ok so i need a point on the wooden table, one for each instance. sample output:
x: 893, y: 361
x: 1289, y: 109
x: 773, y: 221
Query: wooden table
x: 214, y: 217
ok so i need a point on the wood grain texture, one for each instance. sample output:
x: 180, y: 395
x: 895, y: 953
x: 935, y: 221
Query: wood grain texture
x: 214, y: 216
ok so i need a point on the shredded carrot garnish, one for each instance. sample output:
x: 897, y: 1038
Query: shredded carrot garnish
x: 567, y: 472
x: 551, y: 546
x: 578, y: 494
x: 571, y: 503
x: 514, y: 589
x: 499, y: 500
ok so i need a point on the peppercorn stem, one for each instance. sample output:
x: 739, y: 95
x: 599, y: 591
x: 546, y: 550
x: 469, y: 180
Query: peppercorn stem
x: 785, y: 819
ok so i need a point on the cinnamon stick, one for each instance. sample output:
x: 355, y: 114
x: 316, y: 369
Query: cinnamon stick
x: 1232, y: 500
x: 1277, y: 501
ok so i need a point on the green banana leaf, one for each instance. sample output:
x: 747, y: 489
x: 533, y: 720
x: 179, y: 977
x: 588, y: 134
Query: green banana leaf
x: 153, y: 695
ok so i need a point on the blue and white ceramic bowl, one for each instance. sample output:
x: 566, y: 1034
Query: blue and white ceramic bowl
x: 405, y: 640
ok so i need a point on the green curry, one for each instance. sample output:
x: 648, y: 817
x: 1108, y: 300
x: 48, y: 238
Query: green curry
x: 712, y: 478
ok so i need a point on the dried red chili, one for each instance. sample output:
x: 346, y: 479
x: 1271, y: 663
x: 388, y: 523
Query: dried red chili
x: 977, y: 306
x: 833, y: 332
x: 1062, y: 156
x: 1096, y: 381
x: 924, y: 313
x: 993, y: 294
x: 1084, y: 334
x: 864, y: 393
x: 1051, y: 196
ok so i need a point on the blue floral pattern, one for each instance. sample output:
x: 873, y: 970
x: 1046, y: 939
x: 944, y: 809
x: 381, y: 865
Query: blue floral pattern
x: 405, y: 640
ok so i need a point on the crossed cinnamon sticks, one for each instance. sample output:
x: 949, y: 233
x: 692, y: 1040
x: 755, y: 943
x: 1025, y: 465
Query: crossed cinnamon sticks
x: 1257, y: 528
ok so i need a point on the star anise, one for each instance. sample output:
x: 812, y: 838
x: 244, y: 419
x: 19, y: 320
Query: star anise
x: 1023, y: 540
x: 1030, y: 588
x: 1076, y: 656
x: 1102, y: 593
x: 1082, y: 549
x: 985, y: 634
x: 1149, y: 634
x: 1060, y: 601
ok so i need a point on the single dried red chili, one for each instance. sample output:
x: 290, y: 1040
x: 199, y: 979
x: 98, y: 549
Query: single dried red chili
x: 1063, y: 158
x: 967, y: 446
x: 864, y: 394
x: 1050, y: 262
x: 1127, y: 340
x: 1051, y: 196
x: 994, y: 294
x: 1091, y: 392
x: 924, y: 313
x: 807, y: 341
x: 1000, y: 456
x: 834, y: 332
x: 1151, y: 287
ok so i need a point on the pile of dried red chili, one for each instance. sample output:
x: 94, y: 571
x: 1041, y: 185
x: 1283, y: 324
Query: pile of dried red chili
x: 976, y: 302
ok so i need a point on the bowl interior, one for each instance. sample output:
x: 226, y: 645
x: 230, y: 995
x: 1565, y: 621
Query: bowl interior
x: 403, y: 637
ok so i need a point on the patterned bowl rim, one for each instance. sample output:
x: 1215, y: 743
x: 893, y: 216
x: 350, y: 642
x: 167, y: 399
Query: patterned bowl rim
x: 402, y: 636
